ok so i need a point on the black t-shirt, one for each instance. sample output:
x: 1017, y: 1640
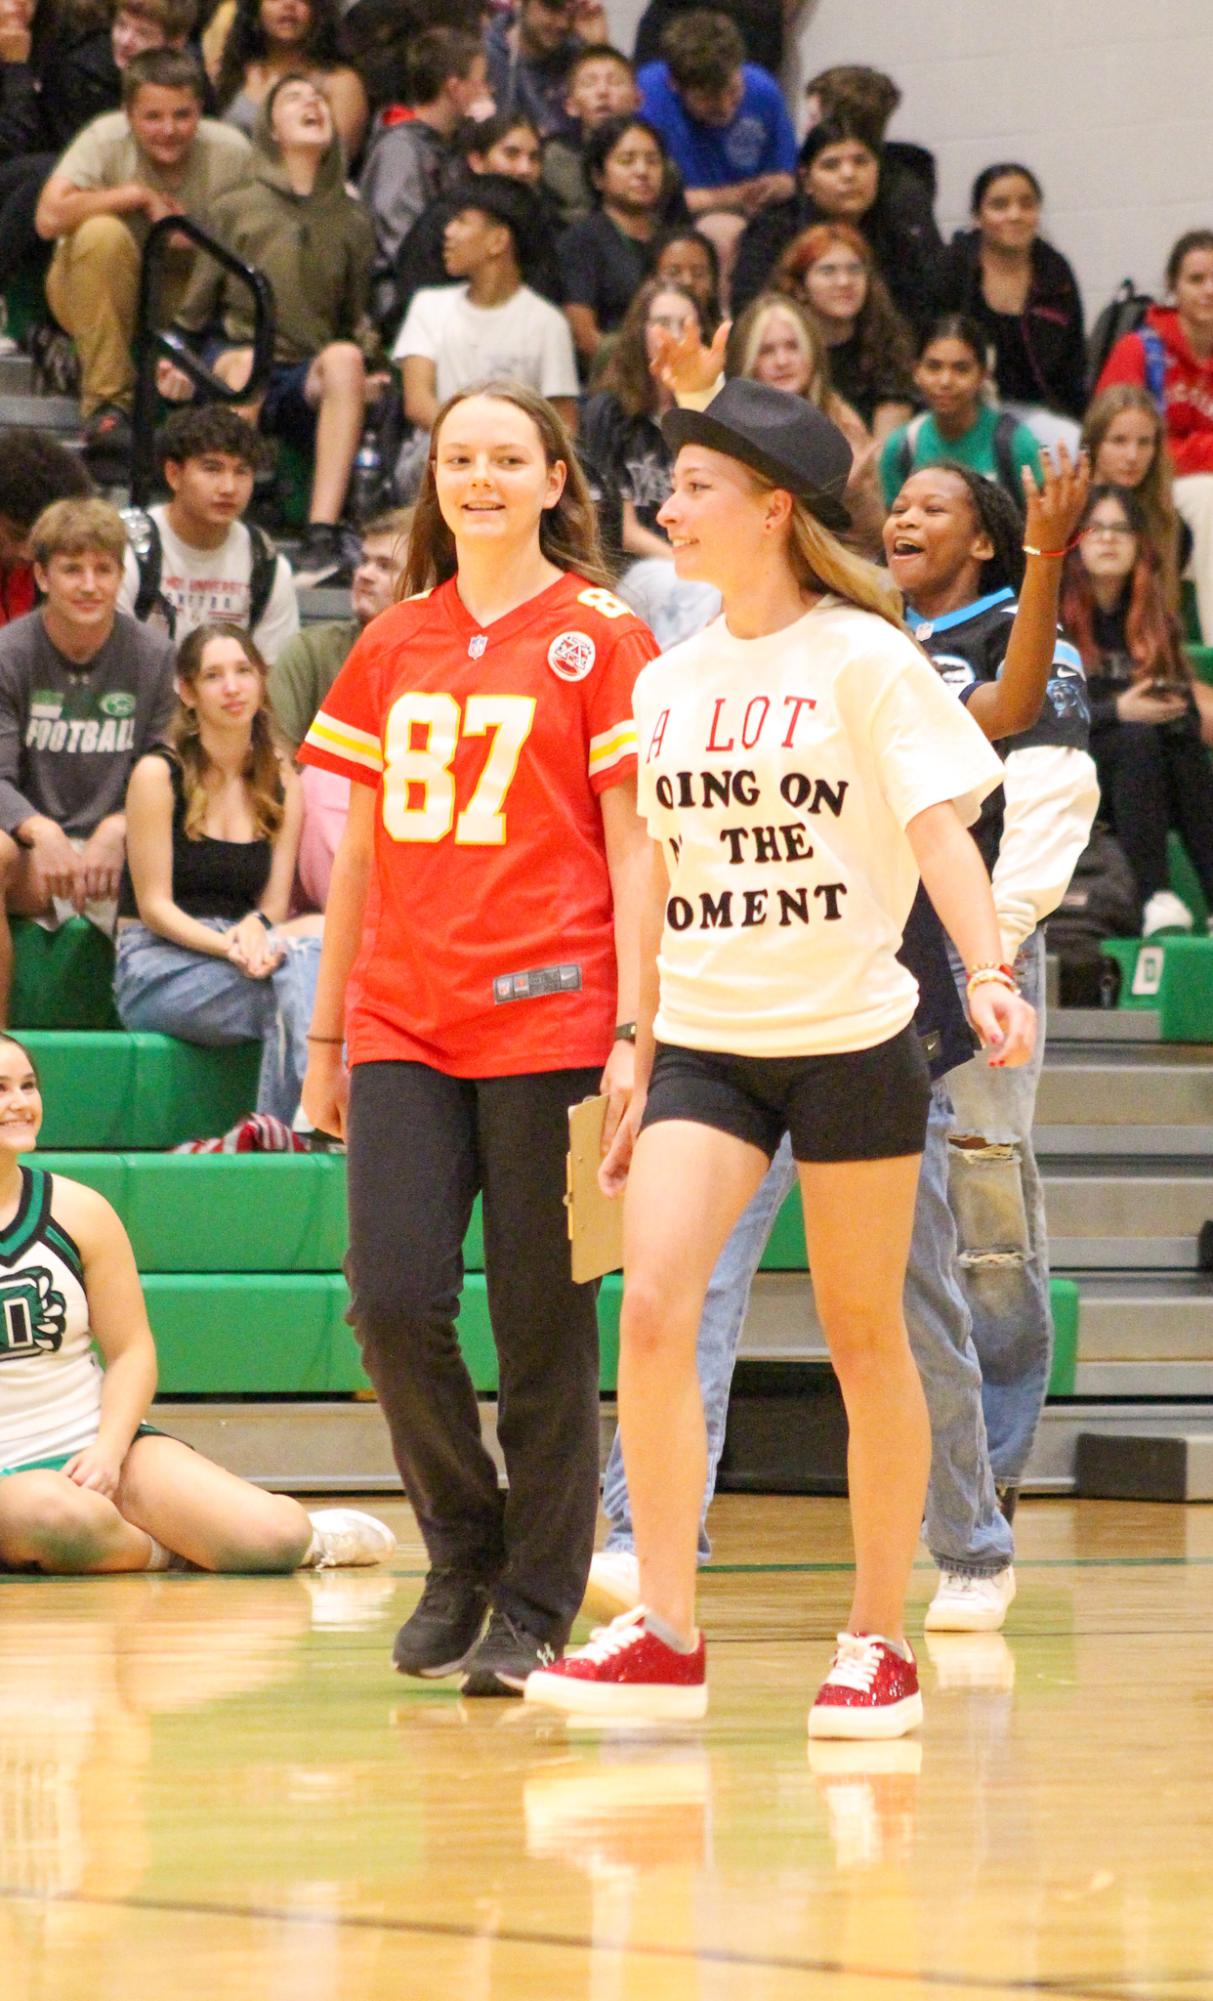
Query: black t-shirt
x: 629, y: 460
x: 969, y: 646
x: 864, y: 386
x: 939, y: 1018
x: 210, y: 878
x: 602, y: 268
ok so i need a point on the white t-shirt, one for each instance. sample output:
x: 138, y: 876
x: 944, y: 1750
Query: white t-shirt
x: 205, y: 584
x: 526, y: 338
x: 780, y: 775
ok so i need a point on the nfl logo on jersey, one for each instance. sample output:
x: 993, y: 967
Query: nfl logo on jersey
x: 477, y: 644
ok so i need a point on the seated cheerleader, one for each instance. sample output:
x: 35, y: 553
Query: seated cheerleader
x: 86, y: 1485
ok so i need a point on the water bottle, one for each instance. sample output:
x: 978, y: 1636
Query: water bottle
x: 366, y: 478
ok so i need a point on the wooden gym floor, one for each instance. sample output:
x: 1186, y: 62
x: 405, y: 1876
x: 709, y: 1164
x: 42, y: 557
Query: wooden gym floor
x: 217, y: 1788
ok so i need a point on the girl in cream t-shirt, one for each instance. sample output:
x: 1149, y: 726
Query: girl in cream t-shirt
x: 779, y: 774
x: 800, y: 766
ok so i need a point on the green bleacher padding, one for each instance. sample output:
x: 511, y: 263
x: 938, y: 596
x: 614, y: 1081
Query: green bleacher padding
x: 120, y: 1090
x: 1201, y: 661
x: 1064, y: 1298
x: 221, y: 1212
x: 785, y: 1249
x: 1173, y: 973
x: 1185, y: 882
x: 286, y: 1335
x: 24, y: 301
x: 62, y: 978
x: 1189, y: 612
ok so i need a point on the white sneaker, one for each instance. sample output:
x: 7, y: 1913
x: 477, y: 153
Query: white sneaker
x: 1165, y: 912
x: 970, y: 1604
x: 346, y: 1537
x: 613, y: 1585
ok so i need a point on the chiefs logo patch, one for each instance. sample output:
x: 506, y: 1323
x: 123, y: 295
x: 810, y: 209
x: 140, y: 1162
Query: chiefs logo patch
x: 571, y: 656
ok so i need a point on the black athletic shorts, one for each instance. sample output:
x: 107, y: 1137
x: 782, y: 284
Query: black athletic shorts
x: 865, y: 1104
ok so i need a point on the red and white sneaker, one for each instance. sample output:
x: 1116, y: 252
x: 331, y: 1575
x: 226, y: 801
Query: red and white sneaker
x: 870, y: 1691
x: 625, y: 1672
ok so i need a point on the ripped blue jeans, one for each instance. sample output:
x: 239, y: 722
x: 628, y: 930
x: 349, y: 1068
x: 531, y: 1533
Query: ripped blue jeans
x: 169, y: 990
x: 995, y: 1193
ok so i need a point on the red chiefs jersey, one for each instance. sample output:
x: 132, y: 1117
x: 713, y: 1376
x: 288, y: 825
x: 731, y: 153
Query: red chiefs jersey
x: 488, y: 948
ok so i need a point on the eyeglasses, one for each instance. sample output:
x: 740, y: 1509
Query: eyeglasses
x: 1119, y: 531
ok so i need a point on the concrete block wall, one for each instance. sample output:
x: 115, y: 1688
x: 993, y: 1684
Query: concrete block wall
x: 1111, y: 101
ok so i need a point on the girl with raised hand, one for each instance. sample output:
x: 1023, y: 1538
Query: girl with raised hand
x: 800, y: 765
x: 961, y: 542
x: 86, y: 1484
x: 480, y: 966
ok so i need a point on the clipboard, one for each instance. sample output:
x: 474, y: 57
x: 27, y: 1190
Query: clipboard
x: 595, y: 1219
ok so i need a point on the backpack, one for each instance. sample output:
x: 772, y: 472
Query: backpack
x: 1004, y: 457
x: 1101, y: 902
x: 148, y: 551
x: 1125, y: 313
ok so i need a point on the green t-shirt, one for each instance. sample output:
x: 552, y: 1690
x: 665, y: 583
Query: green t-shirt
x: 975, y: 449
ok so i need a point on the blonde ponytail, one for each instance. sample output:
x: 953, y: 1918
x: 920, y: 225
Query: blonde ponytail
x: 821, y: 563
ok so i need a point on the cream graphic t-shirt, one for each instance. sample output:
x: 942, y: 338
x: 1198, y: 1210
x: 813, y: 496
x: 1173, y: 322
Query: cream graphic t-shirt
x: 780, y: 775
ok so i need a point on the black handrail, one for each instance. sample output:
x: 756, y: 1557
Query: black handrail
x: 152, y: 345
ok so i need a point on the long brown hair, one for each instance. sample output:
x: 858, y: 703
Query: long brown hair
x: 886, y: 347
x: 568, y: 532
x: 262, y: 773
x: 1154, y: 492
x: 627, y: 373
x: 1152, y: 636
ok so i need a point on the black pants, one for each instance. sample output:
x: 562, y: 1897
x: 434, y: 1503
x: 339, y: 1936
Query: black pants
x: 21, y: 184
x: 421, y: 1145
x: 1154, y: 777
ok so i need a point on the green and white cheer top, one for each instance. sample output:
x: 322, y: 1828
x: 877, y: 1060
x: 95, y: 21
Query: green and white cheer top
x: 50, y: 1378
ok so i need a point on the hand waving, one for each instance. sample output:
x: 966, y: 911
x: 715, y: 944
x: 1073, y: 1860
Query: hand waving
x: 683, y: 365
x: 1055, y: 505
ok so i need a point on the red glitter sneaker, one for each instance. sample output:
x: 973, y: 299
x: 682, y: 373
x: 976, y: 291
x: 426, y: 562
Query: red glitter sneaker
x: 870, y: 1691
x: 625, y: 1672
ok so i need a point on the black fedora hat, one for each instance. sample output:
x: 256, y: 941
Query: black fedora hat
x: 781, y: 436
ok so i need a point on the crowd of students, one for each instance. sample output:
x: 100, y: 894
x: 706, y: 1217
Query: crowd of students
x: 633, y: 356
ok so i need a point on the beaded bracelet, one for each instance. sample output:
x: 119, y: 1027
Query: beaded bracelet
x: 983, y: 976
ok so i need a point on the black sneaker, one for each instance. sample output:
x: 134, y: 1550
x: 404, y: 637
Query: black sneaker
x: 445, y: 1627
x: 108, y: 438
x: 505, y: 1657
x: 322, y: 558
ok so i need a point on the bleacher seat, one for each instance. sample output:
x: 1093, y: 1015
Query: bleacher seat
x: 116, y: 1090
x: 62, y: 978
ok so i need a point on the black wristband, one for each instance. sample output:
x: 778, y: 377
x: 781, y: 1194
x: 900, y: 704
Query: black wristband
x: 625, y: 1031
x: 267, y: 921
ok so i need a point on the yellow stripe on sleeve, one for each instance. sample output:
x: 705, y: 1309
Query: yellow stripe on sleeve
x: 612, y: 747
x: 341, y: 739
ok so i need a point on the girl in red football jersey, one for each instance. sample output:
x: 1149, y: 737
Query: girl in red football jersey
x: 480, y: 964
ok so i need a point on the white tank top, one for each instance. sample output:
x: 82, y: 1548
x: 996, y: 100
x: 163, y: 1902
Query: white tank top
x: 50, y: 1379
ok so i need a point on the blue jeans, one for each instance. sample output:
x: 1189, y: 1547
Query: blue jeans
x: 998, y: 1203
x: 170, y: 990
x: 964, y: 1529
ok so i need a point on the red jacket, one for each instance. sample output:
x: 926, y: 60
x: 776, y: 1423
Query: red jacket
x: 1187, y: 388
x: 18, y: 593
